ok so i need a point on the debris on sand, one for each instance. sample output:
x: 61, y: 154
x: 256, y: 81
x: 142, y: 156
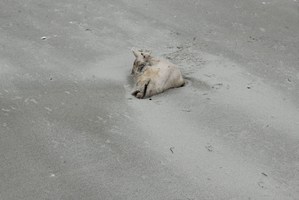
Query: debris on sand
x: 263, y: 173
x: 5, y: 110
x: 261, y: 184
x: 48, y: 109
x: 210, y: 148
x: 217, y: 86
x: 171, y: 149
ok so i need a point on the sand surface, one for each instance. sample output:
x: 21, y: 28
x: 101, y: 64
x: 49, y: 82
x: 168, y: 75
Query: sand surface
x: 69, y: 128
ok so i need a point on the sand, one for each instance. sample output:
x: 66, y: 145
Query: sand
x: 71, y: 130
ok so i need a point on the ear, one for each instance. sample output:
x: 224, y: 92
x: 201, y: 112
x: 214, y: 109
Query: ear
x: 146, y: 55
x: 136, y: 54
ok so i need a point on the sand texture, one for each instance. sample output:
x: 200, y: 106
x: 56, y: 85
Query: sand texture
x: 70, y: 129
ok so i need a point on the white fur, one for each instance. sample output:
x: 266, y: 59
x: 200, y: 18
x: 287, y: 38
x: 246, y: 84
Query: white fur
x: 153, y: 75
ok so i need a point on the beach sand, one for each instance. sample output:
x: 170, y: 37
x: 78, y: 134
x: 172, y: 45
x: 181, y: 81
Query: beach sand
x: 70, y: 128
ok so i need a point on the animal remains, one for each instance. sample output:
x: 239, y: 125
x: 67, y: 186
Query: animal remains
x: 154, y: 75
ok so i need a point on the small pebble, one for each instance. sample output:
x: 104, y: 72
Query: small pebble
x: 171, y: 149
x: 210, y: 148
x: 264, y: 174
